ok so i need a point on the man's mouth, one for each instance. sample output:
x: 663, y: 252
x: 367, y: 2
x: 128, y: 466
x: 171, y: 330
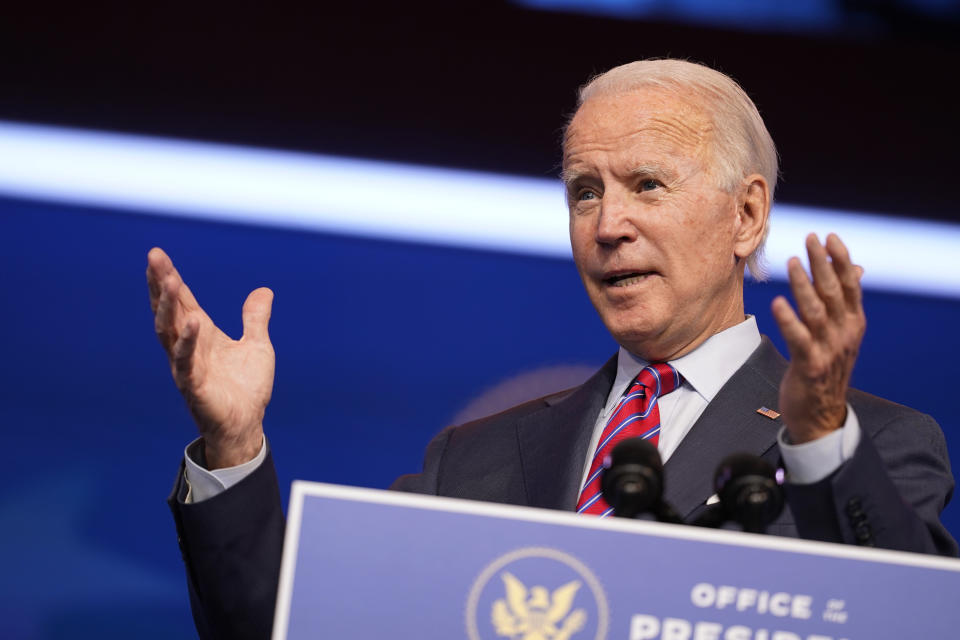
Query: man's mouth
x: 626, y: 279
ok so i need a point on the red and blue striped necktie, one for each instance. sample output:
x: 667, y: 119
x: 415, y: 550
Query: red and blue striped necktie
x: 635, y: 416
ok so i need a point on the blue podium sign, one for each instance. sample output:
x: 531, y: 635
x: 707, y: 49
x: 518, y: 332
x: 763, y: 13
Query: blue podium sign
x: 365, y: 564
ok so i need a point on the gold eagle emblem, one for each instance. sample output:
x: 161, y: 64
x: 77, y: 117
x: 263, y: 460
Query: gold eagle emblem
x: 537, y: 614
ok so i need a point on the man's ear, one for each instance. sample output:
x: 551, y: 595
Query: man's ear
x: 753, y: 210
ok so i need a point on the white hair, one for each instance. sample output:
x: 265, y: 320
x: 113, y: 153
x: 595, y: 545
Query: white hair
x: 740, y: 143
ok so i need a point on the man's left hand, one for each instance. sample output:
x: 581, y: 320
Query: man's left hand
x: 823, y: 337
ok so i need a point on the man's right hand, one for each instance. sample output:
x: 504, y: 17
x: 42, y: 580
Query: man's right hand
x: 227, y: 383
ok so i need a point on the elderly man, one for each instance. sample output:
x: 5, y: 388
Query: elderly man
x: 669, y: 172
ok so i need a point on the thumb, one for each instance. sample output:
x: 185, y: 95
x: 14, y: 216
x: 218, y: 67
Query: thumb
x: 256, y: 314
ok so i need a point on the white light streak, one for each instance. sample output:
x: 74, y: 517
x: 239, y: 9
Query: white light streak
x: 368, y: 198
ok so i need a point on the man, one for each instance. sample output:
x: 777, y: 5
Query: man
x: 670, y: 174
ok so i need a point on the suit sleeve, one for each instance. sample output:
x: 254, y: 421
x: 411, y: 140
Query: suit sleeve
x: 890, y: 494
x: 231, y: 545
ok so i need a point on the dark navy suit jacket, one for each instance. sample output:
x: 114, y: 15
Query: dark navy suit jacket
x: 896, y: 484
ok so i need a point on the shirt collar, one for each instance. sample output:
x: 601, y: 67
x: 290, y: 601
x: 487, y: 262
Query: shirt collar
x: 707, y: 368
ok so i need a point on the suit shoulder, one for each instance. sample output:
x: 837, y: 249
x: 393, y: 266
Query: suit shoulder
x: 876, y: 414
x: 509, y: 417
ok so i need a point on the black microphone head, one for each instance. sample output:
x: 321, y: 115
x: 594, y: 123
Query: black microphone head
x: 633, y: 478
x: 749, y: 491
x: 635, y: 451
x: 741, y: 464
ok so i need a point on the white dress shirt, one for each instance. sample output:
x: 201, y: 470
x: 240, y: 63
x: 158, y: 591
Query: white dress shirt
x: 705, y: 370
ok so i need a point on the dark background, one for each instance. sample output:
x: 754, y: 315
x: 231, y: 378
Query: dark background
x: 864, y: 117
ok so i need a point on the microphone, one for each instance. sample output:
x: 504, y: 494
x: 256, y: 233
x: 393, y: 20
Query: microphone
x: 749, y: 490
x: 633, y: 481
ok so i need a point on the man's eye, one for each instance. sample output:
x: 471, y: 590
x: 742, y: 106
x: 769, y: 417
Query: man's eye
x: 649, y: 185
x: 586, y: 195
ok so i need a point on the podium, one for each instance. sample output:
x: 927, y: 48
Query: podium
x: 366, y: 564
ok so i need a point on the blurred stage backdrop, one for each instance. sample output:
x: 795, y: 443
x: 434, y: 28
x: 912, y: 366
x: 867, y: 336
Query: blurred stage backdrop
x: 389, y: 170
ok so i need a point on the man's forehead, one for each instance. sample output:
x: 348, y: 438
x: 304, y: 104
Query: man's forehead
x: 606, y: 120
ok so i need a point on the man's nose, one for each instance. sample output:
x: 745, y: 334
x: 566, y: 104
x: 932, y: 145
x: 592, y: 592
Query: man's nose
x: 616, y: 223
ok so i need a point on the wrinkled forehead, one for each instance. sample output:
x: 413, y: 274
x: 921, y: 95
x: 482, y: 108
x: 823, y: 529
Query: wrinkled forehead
x: 652, y: 115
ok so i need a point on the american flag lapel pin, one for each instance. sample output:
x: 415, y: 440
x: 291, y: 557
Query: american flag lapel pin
x: 768, y: 413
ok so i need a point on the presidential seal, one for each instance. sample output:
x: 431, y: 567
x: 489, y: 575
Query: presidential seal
x: 536, y: 593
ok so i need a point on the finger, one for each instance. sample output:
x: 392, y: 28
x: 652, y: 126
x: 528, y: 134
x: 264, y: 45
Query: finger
x: 810, y: 305
x: 825, y: 279
x: 256, y: 314
x: 848, y: 273
x: 184, y: 348
x: 793, y: 330
x: 159, y: 267
x: 165, y: 320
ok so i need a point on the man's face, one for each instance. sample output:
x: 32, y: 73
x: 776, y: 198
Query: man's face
x: 653, y: 236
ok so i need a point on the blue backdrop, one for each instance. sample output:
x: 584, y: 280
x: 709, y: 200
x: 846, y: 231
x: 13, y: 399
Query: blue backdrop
x: 93, y: 426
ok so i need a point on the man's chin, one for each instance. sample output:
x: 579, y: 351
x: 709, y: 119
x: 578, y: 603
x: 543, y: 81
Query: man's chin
x: 644, y: 342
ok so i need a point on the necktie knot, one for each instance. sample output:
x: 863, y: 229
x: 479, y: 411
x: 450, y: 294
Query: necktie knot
x: 658, y: 379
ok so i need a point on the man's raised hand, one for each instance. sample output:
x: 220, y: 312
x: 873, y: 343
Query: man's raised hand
x: 227, y: 383
x: 823, y: 337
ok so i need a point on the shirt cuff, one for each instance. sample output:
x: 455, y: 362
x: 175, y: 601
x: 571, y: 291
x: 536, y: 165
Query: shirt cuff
x: 203, y: 483
x: 813, y: 461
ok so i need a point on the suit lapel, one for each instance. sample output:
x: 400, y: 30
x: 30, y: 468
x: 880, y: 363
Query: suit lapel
x: 730, y: 424
x: 553, y: 441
